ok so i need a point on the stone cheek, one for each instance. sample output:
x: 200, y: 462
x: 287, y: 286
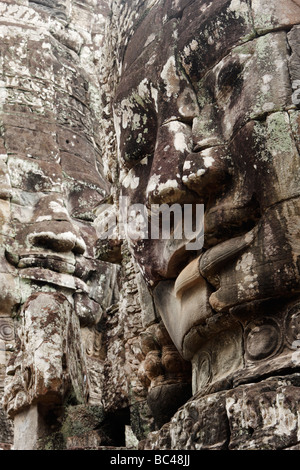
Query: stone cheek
x: 182, y: 312
x: 261, y: 269
x: 201, y: 36
x: 250, y: 82
x: 50, y: 363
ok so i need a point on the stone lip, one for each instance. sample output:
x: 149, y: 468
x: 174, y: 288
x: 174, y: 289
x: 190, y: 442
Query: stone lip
x: 189, y: 295
x: 209, y: 261
x: 58, y: 269
x: 52, y: 277
x: 187, y: 278
x: 219, y: 254
x: 181, y: 313
x: 57, y: 263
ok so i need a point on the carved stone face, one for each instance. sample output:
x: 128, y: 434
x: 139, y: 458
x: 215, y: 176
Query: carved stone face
x: 205, y: 114
x: 51, y: 181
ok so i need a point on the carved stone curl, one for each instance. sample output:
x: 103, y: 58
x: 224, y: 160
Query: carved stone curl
x: 263, y: 339
x: 164, y: 373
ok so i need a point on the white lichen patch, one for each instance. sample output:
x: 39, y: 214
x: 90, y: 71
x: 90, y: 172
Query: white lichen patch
x: 136, y: 121
x: 267, y: 78
x: 43, y: 218
x: 126, y: 113
x: 3, y: 93
x: 68, y: 238
x: 182, y: 136
x: 245, y: 263
x: 153, y: 183
x: 238, y: 7
x: 186, y: 51
x: 170, y: 77
x: 194, y: 45
x: 268, y: 107
x: 180, y: 142
x: 194, y: 176
x: 117, y: 127
x: 149, y: 39
x: 143, y: 89
x: 58, y: 206
x: 280, y: 417
x: 131, y: 181
x: 170, y: 184
x: 208, y: 161
x: 154, y: 95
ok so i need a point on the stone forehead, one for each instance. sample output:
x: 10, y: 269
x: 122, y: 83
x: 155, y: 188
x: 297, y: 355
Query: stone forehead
x: 199, y: 34
x: 167, y: 50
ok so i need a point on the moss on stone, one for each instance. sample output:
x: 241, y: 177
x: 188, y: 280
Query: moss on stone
x: 280, y: 140
x: 81, y: 419
x: 141, y: 420
x: 54, y: 441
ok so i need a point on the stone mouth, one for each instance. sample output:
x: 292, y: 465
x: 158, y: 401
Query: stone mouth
x: 53, y: 269
x: 188, y: 277
x: 65, y: 280
x: 209, y: 262
x: 56, y: 263
x: 212, y: 260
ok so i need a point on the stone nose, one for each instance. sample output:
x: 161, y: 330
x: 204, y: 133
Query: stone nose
x: 165, y: 185
x: 52, y: 228
x: 207, y: 171
x: 58, y: 236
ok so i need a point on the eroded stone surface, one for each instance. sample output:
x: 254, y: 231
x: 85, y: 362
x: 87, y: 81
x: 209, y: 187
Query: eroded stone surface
x: 50, y: 363
x: 175, y: 102
x: 228, y: 138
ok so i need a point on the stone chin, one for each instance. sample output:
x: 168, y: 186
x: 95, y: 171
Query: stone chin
x: 47, y: 327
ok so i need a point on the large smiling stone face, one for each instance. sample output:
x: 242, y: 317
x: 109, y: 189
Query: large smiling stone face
x: 205, y: 113
x: 51, y: 181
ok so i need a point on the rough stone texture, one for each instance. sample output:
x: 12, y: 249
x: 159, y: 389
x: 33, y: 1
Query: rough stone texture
x: 206, y: 112
x: 121, y: 341
x: 263, y: 416
x: 50, y: 363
